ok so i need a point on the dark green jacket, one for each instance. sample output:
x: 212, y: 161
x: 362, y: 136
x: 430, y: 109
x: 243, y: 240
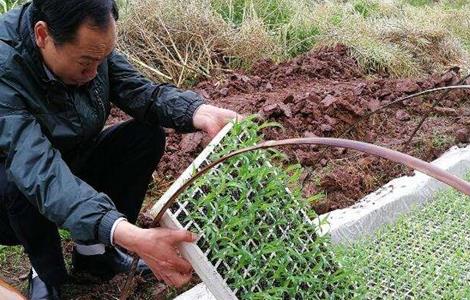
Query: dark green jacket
x: 44, y: 125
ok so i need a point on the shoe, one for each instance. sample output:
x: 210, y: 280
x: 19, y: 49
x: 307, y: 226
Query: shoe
x: 107, y: 265
x: 39, y: 290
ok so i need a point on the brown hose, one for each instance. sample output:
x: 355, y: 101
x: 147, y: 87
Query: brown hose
x: 389, y: 154
x: 405, y: 159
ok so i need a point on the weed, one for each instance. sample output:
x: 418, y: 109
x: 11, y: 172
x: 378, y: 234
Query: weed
x: 441, y: 141
x: 419, y: 2
x: 365, y: 8
x: 183, y: 42
x: 65, y: 234
x: 402, y: 41
x: 9, y: 253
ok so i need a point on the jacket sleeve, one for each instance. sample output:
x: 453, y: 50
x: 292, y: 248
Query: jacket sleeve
x: 159, y: 104
x: 44, y: 178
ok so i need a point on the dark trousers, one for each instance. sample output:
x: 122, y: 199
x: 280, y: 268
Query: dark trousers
x: 119, y: 164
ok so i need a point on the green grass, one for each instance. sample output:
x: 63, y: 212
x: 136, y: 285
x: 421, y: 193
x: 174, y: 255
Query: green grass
x: 183, y: 42
x: 273, y: 12
x: 442, y: 141
x: 398, y: 38
x: 6, y: 5
x: 419, y: 2
x: 287, y: 21
x: 8, y: 253
x: 13, y: 264
x: 365, y: 8
x: 424, y: 255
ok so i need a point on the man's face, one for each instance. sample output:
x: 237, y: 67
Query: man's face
x: 76, y: 62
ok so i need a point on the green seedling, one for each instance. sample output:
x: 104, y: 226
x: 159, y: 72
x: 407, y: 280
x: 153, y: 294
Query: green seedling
x: 424, y: 255
x: 256, y: 230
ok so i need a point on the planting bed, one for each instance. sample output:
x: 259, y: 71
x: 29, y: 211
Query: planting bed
x: 397, y: 265
x: 255, y: 235
x: 322, y: 93
x: 424, y: 255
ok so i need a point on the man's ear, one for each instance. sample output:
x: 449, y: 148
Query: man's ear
x: 41, y: 34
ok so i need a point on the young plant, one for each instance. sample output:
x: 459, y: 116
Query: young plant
x: 256, y: 231
x: 424, y: 255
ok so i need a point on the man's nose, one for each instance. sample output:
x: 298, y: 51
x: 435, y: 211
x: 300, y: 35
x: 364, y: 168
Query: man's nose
x: 91, y: 73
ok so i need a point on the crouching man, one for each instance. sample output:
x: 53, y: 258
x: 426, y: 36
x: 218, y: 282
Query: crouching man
x: 59, y: 74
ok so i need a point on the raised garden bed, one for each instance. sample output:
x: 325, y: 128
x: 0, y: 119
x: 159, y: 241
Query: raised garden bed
x: 204, y: 213
x: 424, y: 255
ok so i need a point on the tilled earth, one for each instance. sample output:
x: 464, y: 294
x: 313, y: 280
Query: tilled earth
x: 321, y: 94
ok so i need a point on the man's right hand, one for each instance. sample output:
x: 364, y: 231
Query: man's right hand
x: 158, y: 247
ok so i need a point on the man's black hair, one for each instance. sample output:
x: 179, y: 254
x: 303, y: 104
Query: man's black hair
x: 64, y: 17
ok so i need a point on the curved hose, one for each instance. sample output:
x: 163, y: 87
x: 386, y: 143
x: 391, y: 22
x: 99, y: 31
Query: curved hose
x: 405, y: 159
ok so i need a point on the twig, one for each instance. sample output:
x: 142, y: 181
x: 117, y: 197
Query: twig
x: 353, y: 126
x: 150, y: 68
x: 437, y: 101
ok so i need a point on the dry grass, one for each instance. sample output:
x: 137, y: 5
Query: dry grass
x: 401, y: 40
x: 183, y: 41
x: 180, y: 41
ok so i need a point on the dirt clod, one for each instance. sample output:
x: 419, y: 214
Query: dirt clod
x: 321, y: 94
x: 402, y: 115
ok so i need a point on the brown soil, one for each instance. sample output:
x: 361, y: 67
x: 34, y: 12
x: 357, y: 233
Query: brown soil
x: 321, y: 94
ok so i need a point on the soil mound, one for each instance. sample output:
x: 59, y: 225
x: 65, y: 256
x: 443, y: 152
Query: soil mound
x: 322, y: 93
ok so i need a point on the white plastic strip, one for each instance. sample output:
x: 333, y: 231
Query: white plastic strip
x: 191, y: 252
x: 201, y: 265
x: 190, y: 170
x: 199, y: 292
x: 395, y: 198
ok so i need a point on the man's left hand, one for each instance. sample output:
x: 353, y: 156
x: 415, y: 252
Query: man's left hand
x: 212, y: 119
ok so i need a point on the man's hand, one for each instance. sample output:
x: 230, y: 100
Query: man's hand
x: 158, y: 247
x: 212, y: 119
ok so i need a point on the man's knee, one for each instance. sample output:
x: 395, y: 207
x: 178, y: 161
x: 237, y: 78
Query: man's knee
x: 153, y: 140
x: 15, y: 202
x: 12, y: 200
x: 9, y: 201
x: 7, y: 235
